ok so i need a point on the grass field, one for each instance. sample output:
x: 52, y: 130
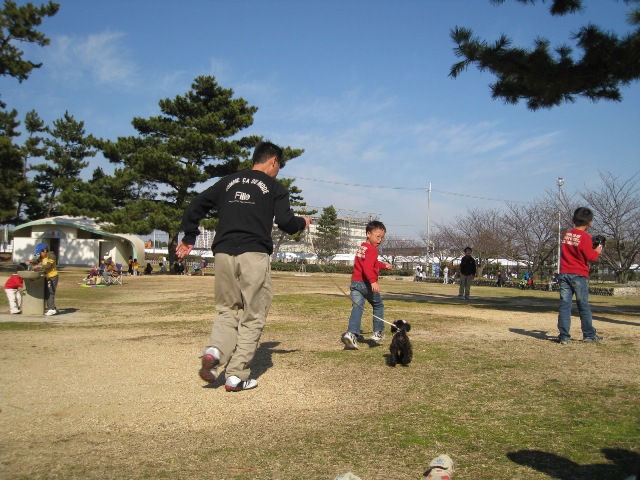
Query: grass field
x: 109, y: 388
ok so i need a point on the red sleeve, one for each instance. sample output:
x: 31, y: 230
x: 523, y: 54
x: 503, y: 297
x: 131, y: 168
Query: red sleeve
x: 586, y: 248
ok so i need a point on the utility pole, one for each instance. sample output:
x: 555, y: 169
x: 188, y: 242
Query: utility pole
x: 559, y: 182
x: 429, y: 224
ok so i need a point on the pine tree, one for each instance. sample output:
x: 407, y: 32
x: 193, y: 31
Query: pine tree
x: 193, y: 140
x: 17, y: 26
x: 10, y: 166
x: 546, y: 79
x: 65, y: 153
x: 327, y: 242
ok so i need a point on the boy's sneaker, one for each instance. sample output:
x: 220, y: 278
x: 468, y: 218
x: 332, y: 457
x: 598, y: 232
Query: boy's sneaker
x: 51, y: 312
x: 234, y: 384
x: 350, y: 341
x: 563, y: 340
x: 596, y: 339
x: 210, y: 361
x: 377, y: 336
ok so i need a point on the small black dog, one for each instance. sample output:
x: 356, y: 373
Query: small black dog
x: 400, y: 348
x: 599, y: 240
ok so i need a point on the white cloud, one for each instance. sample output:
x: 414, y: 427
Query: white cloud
x: 101, y: 57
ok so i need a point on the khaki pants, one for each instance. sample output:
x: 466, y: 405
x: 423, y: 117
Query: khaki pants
x: 465, y: 285
x: 243, y: 297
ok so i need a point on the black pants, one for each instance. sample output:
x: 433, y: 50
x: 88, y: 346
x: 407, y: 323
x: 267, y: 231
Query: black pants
x: 50, y: 292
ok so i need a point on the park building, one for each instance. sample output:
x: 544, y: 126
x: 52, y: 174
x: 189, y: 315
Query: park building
x: 76, y: 241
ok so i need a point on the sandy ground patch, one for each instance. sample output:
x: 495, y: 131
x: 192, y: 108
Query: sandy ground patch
x: 109, y: 388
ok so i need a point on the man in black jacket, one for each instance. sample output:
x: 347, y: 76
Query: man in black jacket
x: 467, y: 272
x: 247, y: 203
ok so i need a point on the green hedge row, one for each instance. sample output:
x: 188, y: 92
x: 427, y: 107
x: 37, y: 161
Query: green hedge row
x: 346, y: 269
x: 295, y: 267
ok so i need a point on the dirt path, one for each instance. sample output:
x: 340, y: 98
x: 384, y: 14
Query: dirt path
x: 108, y: 388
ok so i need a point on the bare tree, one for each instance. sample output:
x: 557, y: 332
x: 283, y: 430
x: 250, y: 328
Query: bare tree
x: 532, y: 230
x: 441, y: 248
x: 482, y: 230
x: 616, y: 204
x: 394, y: 246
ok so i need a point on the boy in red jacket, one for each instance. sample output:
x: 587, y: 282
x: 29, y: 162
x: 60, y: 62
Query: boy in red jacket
x: 575, y: 253
x: 364, y: 286
x: 13, y: 288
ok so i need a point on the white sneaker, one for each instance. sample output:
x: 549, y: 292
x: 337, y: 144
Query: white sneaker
x: 50, y: 312
x: 350, y: 341
x: 234, y: 384
x: 210, y: 361
x: 377, y: 336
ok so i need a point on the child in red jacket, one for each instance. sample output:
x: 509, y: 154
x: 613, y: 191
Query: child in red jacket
x: 576, y: 252
x: 13, y: 288
x: 364, y: 286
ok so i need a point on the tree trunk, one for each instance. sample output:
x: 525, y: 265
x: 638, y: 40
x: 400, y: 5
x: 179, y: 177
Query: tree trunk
x: 173, y: 243
x: 622, y: 276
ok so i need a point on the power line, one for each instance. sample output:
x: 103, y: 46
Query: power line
x: 478, y: 197
x: 386, y: 187
x: 360, y: 185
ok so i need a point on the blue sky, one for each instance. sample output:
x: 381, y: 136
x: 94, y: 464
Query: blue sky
x: 362, y: 86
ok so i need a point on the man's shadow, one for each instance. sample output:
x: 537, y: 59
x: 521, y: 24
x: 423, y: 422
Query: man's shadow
x: 624, y: 462
x: 262, y: 361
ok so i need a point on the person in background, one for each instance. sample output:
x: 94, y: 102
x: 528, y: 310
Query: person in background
x: 110, y: 270
x: 135, y: 266
x: 46, y: 261
x: 418, y: 271
x: 93, y: 275
x: 467, y: 272
x: 13, y: 288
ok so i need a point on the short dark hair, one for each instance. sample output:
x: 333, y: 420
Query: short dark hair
x: 375, y: 225
x: 264, y: 151
x: 582, y: 216
x: 21, y: 267
x: 468, y: 248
